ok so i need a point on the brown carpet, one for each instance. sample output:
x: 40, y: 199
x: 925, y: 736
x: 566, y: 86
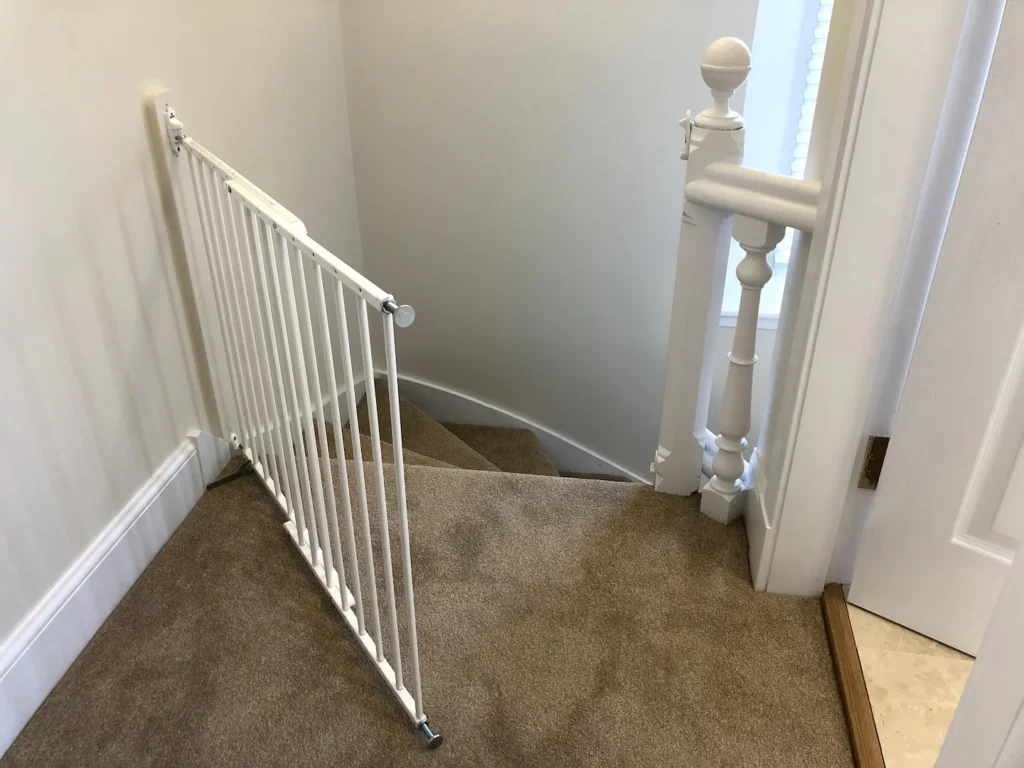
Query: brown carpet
x: 595, y: 476
x: 387, y: 450
x: 509, y: 449
x: 421, y: 433
x: 563, y: 622
x: 366, y: 446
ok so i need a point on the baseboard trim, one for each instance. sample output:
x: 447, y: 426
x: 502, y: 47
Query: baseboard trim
x: 212, y: 452
x: 35, y: 656
x: 446, y: 404
x: 760, y: 534
x: 867, y: 749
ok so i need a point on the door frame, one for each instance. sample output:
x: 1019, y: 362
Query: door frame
x: 899, y: 146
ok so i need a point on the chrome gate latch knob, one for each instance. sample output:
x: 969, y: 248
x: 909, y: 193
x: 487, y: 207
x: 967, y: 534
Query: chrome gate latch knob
x: 403, y: 314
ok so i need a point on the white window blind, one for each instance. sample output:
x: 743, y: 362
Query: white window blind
x: 802, y: 130
x: 804, y: 57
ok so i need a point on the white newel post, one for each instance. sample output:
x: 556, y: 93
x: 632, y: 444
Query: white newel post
x: 715, y: 136
x: 722, y: 498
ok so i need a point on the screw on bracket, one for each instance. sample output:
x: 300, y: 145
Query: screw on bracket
x: 687, y: 124
x: 175, y: 128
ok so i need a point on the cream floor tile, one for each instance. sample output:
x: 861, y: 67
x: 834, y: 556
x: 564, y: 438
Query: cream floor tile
x: 914, y: 684
x: 871, y: 631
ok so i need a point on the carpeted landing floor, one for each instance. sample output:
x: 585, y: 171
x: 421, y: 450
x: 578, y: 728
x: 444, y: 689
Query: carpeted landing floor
x: 563, y: 622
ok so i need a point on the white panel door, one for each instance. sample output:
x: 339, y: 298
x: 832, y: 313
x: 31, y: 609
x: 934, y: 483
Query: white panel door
x: 949, y: 510
x: 988, y: 730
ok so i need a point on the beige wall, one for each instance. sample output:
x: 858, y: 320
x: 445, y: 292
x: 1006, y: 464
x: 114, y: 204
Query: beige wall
x: 99, y: 378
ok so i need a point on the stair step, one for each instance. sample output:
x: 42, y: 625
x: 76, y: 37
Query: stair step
x: 422, y: 433
x: 508, y: 448
x: 411, y: 458
x: 597, y: 476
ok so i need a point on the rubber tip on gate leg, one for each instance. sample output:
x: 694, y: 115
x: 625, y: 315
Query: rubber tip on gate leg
x: 434, y: 740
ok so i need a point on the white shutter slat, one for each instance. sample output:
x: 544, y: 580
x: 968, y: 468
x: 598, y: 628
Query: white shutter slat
x: 801, y: 130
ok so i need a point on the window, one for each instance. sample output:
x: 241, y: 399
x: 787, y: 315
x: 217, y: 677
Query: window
x: 812, y: 80
x: 786, y: 47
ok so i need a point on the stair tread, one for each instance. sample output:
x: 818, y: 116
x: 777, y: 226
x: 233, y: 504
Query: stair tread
x: 387, y: 449
x: 421, y: 433
x: 509, y: 448
x: 596, y: 476
x: 411, y: 458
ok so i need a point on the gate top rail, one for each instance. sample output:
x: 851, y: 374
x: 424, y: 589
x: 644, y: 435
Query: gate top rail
x: 292, y: 226
x: 368, y: 290
x: 194, y: 146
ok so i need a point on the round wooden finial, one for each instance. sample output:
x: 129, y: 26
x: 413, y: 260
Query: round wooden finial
x: 724, y: 67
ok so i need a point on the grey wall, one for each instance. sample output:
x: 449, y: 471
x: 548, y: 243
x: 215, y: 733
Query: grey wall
x: 519, y: 182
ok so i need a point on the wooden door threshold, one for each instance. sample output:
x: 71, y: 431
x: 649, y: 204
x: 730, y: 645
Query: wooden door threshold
x: 867, y: 749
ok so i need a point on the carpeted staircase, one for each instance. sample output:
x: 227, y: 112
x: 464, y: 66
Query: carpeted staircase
x: 563, y: 621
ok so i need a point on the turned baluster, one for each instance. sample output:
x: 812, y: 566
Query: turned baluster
x: 722, y: 498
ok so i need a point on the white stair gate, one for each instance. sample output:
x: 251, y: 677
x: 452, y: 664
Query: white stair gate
x: 267, y: 344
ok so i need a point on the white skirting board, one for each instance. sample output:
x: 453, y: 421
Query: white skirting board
x: 41, y: 648
x: 760, y: 534
x: 446, y: 404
